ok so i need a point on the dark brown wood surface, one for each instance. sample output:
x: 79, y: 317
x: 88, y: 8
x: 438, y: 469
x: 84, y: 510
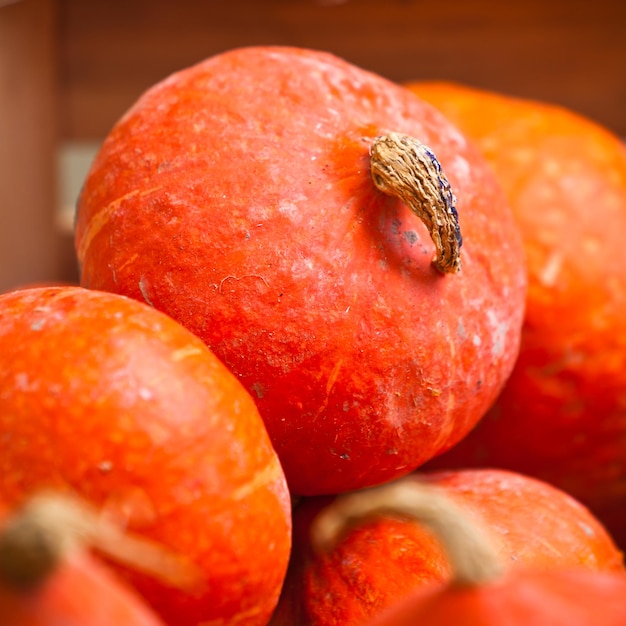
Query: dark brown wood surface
x: 568, y: 51
x: 29, y: 242
x: 70, y: 68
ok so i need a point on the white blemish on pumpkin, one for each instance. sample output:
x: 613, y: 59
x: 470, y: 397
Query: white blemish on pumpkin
x: 289, y: 209
x: 301, y: 267
x: 144, y: 291
x: 183, y: 353
x: 145, y: 394
x: 238, y: 278
x: 113, y: 273
x: 259, y: 389
x: 461, y: 169
x: 586, y: 529
x: 22, y: 381
x: 452, y: 344
x: 499, y: 331
x: 271, y: 474
x: 549, y: 273
x: 105, y: 466
x: 457, y: 137
x: 476, y: 340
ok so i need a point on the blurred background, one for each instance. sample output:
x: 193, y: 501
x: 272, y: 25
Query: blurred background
x: 70, y: 68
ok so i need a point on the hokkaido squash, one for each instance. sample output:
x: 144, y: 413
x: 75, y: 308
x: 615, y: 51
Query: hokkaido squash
x: 482, y: 590
x: 379, y: 560
x: 49, y: 577
x: 252, y: 197
x: 562, y: 413
x: 108, y: 398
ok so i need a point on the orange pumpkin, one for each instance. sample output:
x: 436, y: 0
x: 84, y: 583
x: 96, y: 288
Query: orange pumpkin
x: 247, y: 197
x: 107, y: 397
x: 562, y: 413
x: 481, y: 590
x: 378, y: 561
x: 557, y: 598
x: 48, y: 576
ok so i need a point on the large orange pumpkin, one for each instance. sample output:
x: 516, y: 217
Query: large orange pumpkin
x: 115, y: 401
x: 482, y: 590
x: 562, y: 414
x: 379, y: 560
x: 237, y: 196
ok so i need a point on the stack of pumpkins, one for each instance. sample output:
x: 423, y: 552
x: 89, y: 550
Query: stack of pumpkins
x: 343, y: 350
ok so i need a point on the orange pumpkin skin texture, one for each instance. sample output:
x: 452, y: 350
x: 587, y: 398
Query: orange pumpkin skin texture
x: 236, y: 197
x: 82, y: 592
x: 562, y: 414
x: 375, y: 564
x: 529, y: 522
x: 73, y: 588
x: 107, y: 397
x: 554, y: 598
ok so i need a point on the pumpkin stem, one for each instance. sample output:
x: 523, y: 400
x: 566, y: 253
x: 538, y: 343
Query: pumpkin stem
x: 405, y: 168
x: 473, y: 559
x: 50, y: 526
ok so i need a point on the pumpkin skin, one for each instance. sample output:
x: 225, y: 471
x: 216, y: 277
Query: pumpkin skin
x: 557, y: 598
x: 54, y: 586
x: 379, y: 561
x: 236, y: 197
x: 562, y: 414
x: 117, y: 402
x: 81, y: 592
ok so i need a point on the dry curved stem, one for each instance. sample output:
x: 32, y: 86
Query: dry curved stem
x: 405, y: 168
x: 473, y: 559
x: 50, y: 526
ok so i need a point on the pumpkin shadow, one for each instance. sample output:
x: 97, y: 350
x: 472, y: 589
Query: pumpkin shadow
x: 397, y: 238
x: 402, y: 242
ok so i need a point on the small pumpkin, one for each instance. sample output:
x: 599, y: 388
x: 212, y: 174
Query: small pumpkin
x: 562, y: 414
x: 115, y: 401
x: 481, y: 590
x: 286, y: 207
x: 380, y: 559
x: 48, y: 577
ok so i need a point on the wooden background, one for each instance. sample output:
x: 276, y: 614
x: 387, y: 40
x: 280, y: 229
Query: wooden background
x: 70, y: 68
